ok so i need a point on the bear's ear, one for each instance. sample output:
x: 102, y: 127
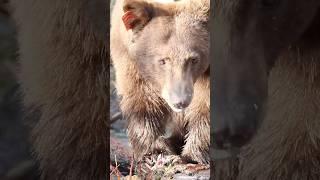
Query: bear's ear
x: 137, y: 14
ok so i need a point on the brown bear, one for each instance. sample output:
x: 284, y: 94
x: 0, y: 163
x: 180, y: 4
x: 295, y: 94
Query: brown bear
x: 64, y: 75
x: 160, y: 55
x: 269, y: 56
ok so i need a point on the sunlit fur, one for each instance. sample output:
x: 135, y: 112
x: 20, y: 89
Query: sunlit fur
x: 140, y: 82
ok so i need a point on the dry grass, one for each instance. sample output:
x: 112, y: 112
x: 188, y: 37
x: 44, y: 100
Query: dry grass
x: 155, y: 167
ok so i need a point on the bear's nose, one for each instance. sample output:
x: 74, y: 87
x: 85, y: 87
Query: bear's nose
x: 233, y: 126
x: 181, y: 105
x: 225, y: 139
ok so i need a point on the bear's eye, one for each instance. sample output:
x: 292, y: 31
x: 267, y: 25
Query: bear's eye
x: 163, y: 61
x: 193, y: 60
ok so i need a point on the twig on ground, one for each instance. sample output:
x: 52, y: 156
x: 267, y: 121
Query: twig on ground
x: 116, y: 117
x: 115, y: 157
x: 114, y: 170
x: 131, y: 167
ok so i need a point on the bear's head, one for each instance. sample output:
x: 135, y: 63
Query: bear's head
x: 248, y: 38
x: 170, y: 43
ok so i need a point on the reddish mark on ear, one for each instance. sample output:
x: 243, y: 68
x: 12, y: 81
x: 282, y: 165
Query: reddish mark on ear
x: 129, y: 18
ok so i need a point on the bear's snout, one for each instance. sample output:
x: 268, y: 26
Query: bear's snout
x: 180, y: 98
x: 178, y: 95
x: 181, y: 104
x: 239, y: 126
x: 225, y: 138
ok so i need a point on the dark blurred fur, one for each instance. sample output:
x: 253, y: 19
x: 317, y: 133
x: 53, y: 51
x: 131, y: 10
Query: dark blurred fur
x: 281, y: 38
x: 64, y: 77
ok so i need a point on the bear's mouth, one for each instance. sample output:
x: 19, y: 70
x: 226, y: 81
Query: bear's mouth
x: 177, y: 110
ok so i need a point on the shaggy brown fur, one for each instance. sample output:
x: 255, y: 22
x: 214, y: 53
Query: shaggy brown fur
x: 225, y: 169
x: 282, y: 37
x: 290, y: 134
x: 64, y: 76
x: 287, y: 145
x: 248, y: 37
x: 143, y: 85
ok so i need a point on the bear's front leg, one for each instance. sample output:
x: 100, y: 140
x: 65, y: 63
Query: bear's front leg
x: 197, y: 117
x: 147, y: 118
x: 198, y: 138
x: 144, y: 132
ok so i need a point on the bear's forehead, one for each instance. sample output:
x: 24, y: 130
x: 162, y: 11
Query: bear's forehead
x: 179, y: 26
x: 189, y: 19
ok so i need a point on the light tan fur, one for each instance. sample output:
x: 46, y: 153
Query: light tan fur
x: 150, y: 118
x: 63, y: 76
